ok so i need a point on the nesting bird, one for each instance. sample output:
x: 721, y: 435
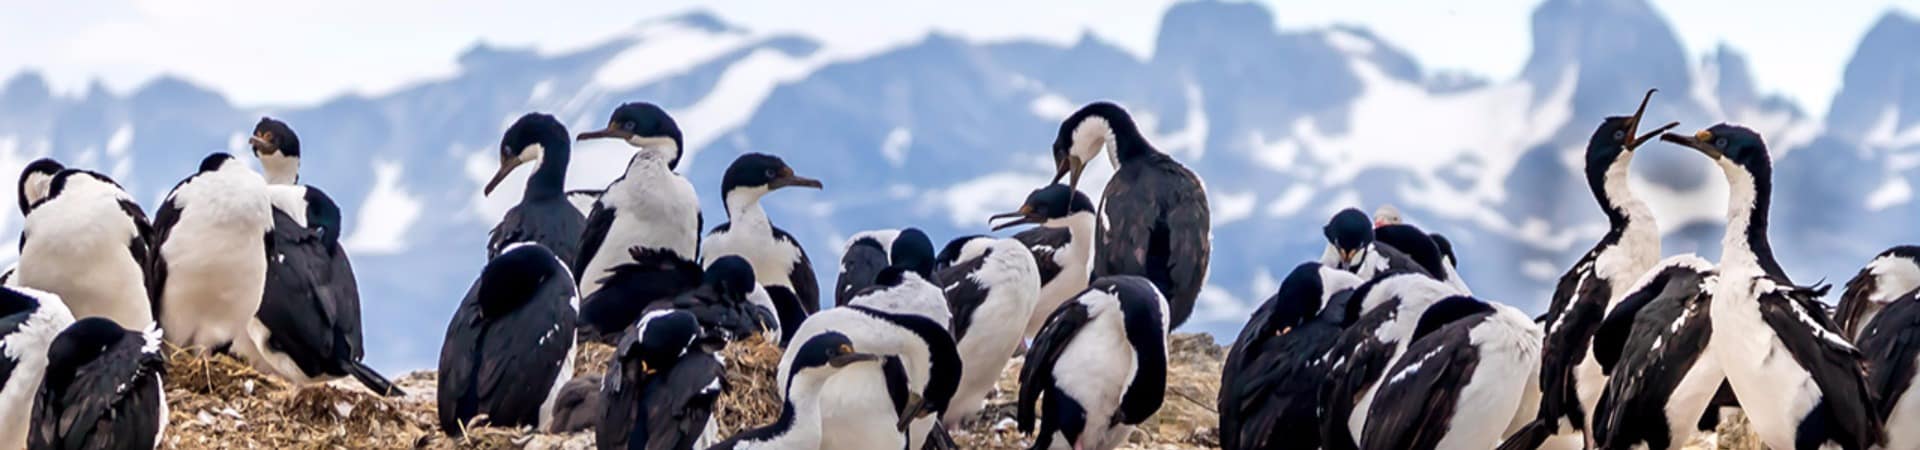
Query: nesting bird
x: 724, y: 298
x: 805, y: 370
x: 1099, y: 368
x: 103, y: 389
x: 1270, y: 383
x: 1352, y: 246
x: 35, y: 182
x: 779, y: 262
x: 29, y: 321
x: 1061, y: 245
x: 87, y: 225
x: 991, y: 292
x: 870, y: 252
x: 660, y: 389
x: 1154, y: 214
x: 544, y: 214
x: 209, y: 236
x: 1818, y: 396
x: 509, y: 348
x: 649, y: 207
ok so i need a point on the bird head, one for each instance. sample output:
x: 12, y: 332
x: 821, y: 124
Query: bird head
x: 657, y: 340
x: 1048, y: 203
x: 1740, y: 153
x: 528, y: 140
x: 1348, y: 235
x: 278, y: 148
x: 80, y: 343
x: 34, y: 182
x: 1298, y: 299
x: 643, y: 125
x: 1618, y: 135
x: 1082, y: 136
x: 755, y: 174
x: 731, y: 275
x: 913, y: 252
x: 821, y: 356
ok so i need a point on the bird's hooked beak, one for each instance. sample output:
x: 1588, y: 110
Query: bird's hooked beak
x: 1633, y: 124
x: 916, y: 408
x: 1025, y: 216
x: 507, y: 164
x: 263, y: 143
x: 610, y: 132
x: 1071, y: 165
x: 788, y: 179
x: 1350, y: 258
x: 1701, y: 141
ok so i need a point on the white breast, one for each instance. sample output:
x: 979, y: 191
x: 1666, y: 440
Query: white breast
x: 26, y: 347
x: 216, y: 258
x: 78, y: 247
x: 994, y: 333
x: 772, y: 259
x: 1778, y: 392
x: 652, y: 209
x: 1509, y: 345
x: 1095, y: 369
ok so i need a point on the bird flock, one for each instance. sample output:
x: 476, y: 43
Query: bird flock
x: 1377, y: 344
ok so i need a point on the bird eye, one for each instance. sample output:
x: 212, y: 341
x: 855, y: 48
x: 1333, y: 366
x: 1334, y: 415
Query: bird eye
x: 773, y: 174
x: 1619, y: 134
x: 1720, y: 143
x: 629, y: 126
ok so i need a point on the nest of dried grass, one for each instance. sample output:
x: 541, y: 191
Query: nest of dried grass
x: 753, y: 394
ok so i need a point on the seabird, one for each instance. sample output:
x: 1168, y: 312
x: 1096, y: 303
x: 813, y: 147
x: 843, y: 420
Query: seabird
x: 1891, y: 343
x: 544, y: 214
x: 661, y: 386
x: 1352, y: 246
x: 650, y: 277
x: 1270, y: 384
x: 901, y: 316
x: 722, y: 297
x: 1420, y: 247
x: 1570, y: 380
x: 88, y: 225
x: 509, y: 349
x: 1062, y: 245
x: 1384, y: 312
x: 103, y: 389
x: 779, y: 262
x: 1818, y: 394
x: 210, y: 239
x: 805, y: 371
x: 1099, y: 367
x: 29, y: 320
x: 1456, y: 379
x: 308, y: 326
x: 1650, y: 350
x: 991, y: 295
x: 35, y: 181
x: 869, y: 252
x: 649, y: 207
x: 1891, y: 275
x: 1154, y: 215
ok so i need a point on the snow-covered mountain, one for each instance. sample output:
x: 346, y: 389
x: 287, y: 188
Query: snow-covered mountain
x: 1286, y: 125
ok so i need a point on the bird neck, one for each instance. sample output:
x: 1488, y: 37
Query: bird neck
x: 743, y: 207
x: 549, y: 180
x: 1128, y: 144
x: 1626, y: 214
x: 280, y: 168
x: 799, y: 424
x: 1745, y: 244
x: 1080, y: 225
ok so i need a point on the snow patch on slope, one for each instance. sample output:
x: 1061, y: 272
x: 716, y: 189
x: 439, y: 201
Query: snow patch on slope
x: 664, y: 49
x: 738, y: 94
x: 386, y: 214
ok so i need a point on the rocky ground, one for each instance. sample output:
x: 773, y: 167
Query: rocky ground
x: 220, y: 403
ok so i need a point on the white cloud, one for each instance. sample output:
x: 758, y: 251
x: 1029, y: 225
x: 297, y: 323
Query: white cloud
x: 895, y: 146
x: 1232, y: 207
x: 386, y: 214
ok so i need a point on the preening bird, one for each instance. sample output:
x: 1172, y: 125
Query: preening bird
x: 87, y: 224
x: 103, y: 389
x: 1270, y: 383
x: 509, y: 348
x: 991, y: 294
x: 1061, y: 245
x: 805, y: 370
x: 869, y: 252
x: 210, y: 239
x: 29, y: 321
x: 649, y: 207
x: 903, y: 318
x: 779, y: 262
x: 1352, y: 246
x: 36, y: 181
x: 661, y: 386
x: 1154, y: 214
x: 724, y: 298
x: 544, y: 214
x: 1098, y: 369
x: 1892, y: 274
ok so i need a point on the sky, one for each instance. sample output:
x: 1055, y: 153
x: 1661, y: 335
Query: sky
x: 298, y: 52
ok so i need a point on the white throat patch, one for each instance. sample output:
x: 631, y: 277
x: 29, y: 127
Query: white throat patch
x: 1090, y: 137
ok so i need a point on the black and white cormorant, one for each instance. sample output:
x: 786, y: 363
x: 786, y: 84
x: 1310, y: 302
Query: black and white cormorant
x: 1154, y: 219
x: 35, y: 180
x: 1099, y: 367
x: 29, y: 320
x: 1062, y: 245
x: 1892, y: 274
x: 805, y: 371
x: 1891, y: 343
x: 1800, y: 382
x: 1270, y: 384
x: 103, y: 389
x: 1383, y: 314
x: 1352, y: 246
x: 649, y: 207
x: 721, y: 297
x: 660, y: 389
x: 544, y: 215
x: 1419, y: 246
x: 88, y: 225
x: 1454, y: 387
x: 991, y: 294
x: 210, y: 241
x: 1649, y: 349
x: 308, y: 326
x: 509, y: 348
x: 779, y: 262
x: 869, y: 252
x: 1570, y: 380
x: 902, y: 316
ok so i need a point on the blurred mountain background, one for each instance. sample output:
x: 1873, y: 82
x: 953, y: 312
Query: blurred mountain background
x: 1286, y: 125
